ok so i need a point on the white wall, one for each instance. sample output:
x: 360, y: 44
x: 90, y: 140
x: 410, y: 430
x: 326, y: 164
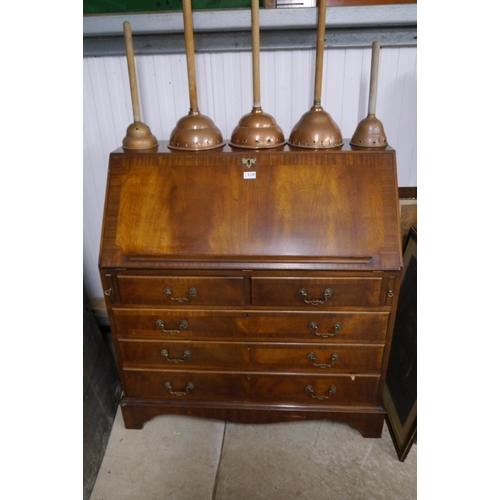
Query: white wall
x: 224, y: 83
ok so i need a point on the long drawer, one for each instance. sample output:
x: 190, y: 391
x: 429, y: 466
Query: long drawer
x: 189, y: 324
x: 185, y: 290
x: 341, y: 358
x: 252, y: 387
x: 325, y: 293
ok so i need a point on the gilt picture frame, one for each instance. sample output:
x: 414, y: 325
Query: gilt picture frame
x: 400, y: 391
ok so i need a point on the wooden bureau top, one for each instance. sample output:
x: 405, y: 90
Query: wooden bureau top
x: 272, y: 209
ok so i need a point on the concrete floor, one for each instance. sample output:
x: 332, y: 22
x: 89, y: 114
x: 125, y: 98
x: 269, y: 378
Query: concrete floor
x: 184, y: 458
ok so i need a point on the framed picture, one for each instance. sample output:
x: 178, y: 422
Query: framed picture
x: 400, y: 391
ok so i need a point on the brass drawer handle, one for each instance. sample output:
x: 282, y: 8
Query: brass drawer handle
x: 314, y: 327
x: 326, y: 294
x: 311, y: 356
x: 191, y: 293
x: 182, y: 326
x: 331, y: 390
x: 189, y: 387
x: 186, y: 355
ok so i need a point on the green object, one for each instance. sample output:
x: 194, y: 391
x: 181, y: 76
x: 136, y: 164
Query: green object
x: 121, y: 6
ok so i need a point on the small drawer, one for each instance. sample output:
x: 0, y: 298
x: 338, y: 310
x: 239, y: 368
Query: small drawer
x: 251, y: 356
x: 181, y: 290
x: 316, y: 293
x: 207, y: 324
x: 248, y: 387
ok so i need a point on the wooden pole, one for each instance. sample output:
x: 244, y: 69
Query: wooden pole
x: 129, y: 49
x: 320, y: 46
x: 372, y: 101
x: 256, y: 53
x: 189, y: 39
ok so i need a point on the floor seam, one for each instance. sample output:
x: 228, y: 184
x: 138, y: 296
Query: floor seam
x: 214, y: 492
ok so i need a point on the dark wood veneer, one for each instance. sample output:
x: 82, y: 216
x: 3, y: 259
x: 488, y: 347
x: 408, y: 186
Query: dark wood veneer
x: 304, y: 258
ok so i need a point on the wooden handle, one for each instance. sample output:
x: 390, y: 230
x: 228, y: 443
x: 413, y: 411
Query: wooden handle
x: 129, y: 49
x: 320, y: 46
x: 372, y: 101
x: 188, y: 37
x: 256, y: 53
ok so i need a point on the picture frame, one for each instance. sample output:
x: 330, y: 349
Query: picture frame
x: 400, y: 391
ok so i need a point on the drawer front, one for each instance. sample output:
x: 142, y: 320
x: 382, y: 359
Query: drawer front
x: 181, y: 290
x: 176, y: 355
x: 252, y: 387
x: 186, y: 324
x: 323, y: 293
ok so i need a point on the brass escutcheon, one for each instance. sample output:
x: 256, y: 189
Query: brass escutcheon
x: 248, y: 162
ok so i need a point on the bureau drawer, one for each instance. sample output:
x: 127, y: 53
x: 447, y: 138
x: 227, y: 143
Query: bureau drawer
x: 181, y: 290
x: 341, y: 358
x: 324, y: 293
x: 252, y: 387
x: 319, y: 326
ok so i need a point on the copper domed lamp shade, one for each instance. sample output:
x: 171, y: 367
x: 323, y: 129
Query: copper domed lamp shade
x: 257, y: 130
x: 370, y: 131
x: 139, y: 135
x: 316, y: 129
x: 193, y: 132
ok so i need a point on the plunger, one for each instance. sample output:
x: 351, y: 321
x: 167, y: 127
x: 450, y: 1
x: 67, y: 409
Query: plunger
x: 193, y: 132
x: 139, y: 135
x: 316, y: 129
x: 257, y: 130
x: 370, y: 131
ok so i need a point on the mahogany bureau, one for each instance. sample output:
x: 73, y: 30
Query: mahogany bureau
x: 252, y: 287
